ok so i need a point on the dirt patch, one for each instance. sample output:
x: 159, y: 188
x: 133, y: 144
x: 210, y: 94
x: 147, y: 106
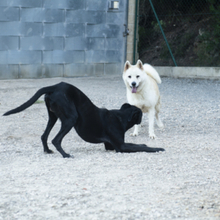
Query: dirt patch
x: 181, y: 183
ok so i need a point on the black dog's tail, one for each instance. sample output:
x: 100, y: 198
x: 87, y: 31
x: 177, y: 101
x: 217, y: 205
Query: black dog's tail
x: 32, y: 100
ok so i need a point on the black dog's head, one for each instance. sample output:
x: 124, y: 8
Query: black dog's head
x: 132, y: 114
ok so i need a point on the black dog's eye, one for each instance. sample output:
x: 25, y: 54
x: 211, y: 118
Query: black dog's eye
x: 137, y: 76
x: 129, y: 76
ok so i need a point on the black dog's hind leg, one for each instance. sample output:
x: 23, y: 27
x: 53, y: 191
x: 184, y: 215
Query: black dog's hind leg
x: 51, y: 122
x: 130, y: 148
x: 66, y: 126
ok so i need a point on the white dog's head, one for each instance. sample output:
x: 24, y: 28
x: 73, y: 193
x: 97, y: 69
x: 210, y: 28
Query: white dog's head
x: 134, y: 75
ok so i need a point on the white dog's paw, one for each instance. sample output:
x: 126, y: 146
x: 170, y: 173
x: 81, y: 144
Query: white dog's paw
x: 152, y: 136
x: 134, y: 134
x: 160, y: 125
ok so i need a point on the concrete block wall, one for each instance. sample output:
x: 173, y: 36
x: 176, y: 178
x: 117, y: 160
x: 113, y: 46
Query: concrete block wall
x: 48, y: 38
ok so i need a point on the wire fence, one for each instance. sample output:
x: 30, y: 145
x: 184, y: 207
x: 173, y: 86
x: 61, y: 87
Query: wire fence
x: 191, y: 32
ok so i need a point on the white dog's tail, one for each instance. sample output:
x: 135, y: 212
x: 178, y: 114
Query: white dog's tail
x: 152, y: 72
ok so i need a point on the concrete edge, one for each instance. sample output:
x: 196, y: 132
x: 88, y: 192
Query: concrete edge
x: 189, y: 72
x: 8, y: 72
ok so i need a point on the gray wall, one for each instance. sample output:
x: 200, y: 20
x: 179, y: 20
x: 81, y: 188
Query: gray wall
x: 48, y: 38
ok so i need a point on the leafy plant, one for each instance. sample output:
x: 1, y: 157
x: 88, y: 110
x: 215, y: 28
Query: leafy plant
x: 209, y: 47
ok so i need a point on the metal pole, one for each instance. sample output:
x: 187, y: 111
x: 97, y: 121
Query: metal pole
x: 135, y: 32
x: 163, y: 33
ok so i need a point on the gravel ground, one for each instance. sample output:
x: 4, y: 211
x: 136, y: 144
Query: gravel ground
x: 180, y: 183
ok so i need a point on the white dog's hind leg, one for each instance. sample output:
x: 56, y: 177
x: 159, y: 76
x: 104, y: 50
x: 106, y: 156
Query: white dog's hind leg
x: 136, y: 128
x: 151, y: 114
x: 159, y: 122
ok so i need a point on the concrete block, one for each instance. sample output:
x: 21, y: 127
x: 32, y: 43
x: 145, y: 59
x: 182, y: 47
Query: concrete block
x: 113, y: 56
x: 75, y: 43
x: 75, y: 16
x: 73, y: 30
x: 114, y: 43
x: 9, y: 14
x: 82, y: 16
x: 23, y: 57
x: 10, y: 28
x: 62, y: 57
x: 113, y: 69
x: 15, y: 28
x: 40, y: 71
x: 96, y: 5
x: 9, y: 43
x: 114, y: 18
x: 95, y: 43
x: 61, y: 29
x: 103, y: 30
x: 29, y: 29
x: 42, y: 15
x: 41, y: 43
x: 57, y: 29
x: 64, y: 4
x: 21, y: 3
x: 9, y: 71
x: 103, y: 56
x: 95, y: 56
x: 81, y: 69
x: 75, y: 69
x: 95, y: 17
x: 3, y: 57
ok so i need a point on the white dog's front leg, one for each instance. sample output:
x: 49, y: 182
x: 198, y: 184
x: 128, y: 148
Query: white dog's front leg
x: 151, y: 114
x: 136, y: 128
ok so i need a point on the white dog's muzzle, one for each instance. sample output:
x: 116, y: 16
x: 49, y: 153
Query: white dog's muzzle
x: 134, y: 87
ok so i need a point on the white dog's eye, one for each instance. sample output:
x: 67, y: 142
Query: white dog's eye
x: 137, y: 76
x: 129, y: 76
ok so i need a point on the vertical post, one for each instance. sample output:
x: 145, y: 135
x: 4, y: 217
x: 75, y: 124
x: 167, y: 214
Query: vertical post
x: 135, y: 32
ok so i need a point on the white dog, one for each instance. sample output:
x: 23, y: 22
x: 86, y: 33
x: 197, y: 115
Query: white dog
x: 142, y: 91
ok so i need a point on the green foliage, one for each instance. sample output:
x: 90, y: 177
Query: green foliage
x: 179, y: 46
x: 192, y: 28
x: 156, y: 26
x: 145, y: 37
x: 184, y: 43
x: 165, y: 54
x: 209, y: 46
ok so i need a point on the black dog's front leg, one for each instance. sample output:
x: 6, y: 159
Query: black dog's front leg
x: 109, y: 146
x: 131, y: 148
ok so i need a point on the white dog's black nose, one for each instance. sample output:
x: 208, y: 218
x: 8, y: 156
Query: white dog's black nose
x: 133, y: 84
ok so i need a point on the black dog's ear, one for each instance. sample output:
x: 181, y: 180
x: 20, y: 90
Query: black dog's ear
x: 125, y: 106
x: 136, y: 115
x: 131, y: 116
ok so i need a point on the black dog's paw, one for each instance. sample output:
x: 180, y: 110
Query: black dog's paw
x: 48, y: 151
x: 68, y: 156
x: 150, y: 149
x: 159, y: 149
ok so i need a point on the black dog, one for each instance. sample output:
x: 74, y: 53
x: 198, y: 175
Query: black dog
x: 92, y: 124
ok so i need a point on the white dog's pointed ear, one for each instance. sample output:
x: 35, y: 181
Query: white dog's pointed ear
x: 127, y: 65
x: 139, y: 64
